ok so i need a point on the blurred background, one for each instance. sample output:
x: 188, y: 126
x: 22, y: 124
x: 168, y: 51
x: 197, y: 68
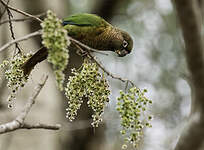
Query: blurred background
x: 157, y: 63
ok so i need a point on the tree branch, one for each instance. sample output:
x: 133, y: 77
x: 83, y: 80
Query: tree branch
x: 26, y: 37
x: 190, y: 19
x: 40, y: 126
x: 31, y: 101
x: 18, y: 123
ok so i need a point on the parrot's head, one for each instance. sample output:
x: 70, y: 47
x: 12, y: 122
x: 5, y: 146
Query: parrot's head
x: 123, y: 46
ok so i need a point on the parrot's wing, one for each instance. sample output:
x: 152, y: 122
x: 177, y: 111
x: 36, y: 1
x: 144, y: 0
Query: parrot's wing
x: 84, y: 19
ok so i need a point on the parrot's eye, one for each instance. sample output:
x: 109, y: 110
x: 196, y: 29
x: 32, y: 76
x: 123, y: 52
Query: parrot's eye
x: 125, y: 44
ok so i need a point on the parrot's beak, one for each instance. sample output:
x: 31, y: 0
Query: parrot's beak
x: 122, y: 53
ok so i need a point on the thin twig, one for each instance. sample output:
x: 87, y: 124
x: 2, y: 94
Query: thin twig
x: 108, y: 73
x: 10, y: 15
x: 26, y: 37
x: 20, y: 11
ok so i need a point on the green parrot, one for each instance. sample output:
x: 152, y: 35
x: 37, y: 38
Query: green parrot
x: 95, y: 32
x: 92, y: 31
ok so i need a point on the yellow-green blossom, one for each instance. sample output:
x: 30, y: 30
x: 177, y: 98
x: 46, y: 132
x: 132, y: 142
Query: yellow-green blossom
x: 88, y: 83
x: 15, y: 75
x: 132, y: 108
x: 55, y: 39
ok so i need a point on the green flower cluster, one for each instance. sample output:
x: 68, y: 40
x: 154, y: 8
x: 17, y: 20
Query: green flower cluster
x: 15, y: 75
x: 87, y: 83
x: 55, y: 39
x: 132, y: 107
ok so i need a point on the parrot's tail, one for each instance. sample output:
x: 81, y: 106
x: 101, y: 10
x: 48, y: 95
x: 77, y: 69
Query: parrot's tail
x: 39, y: 56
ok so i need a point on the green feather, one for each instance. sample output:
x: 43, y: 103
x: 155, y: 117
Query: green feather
x: 84, y: 19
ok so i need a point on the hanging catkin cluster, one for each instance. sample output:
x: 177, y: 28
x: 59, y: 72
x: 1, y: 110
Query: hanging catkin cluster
x: 132, y: 107
x: 15, y: 75
x: 55, y: 39
x: 90, y: 84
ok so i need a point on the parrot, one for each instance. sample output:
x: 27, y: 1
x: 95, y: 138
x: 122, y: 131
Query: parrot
x: 97, y: 33
x: 93, y: 31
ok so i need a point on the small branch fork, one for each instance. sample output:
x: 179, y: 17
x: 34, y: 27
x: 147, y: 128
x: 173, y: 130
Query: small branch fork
x: 19, y: 123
